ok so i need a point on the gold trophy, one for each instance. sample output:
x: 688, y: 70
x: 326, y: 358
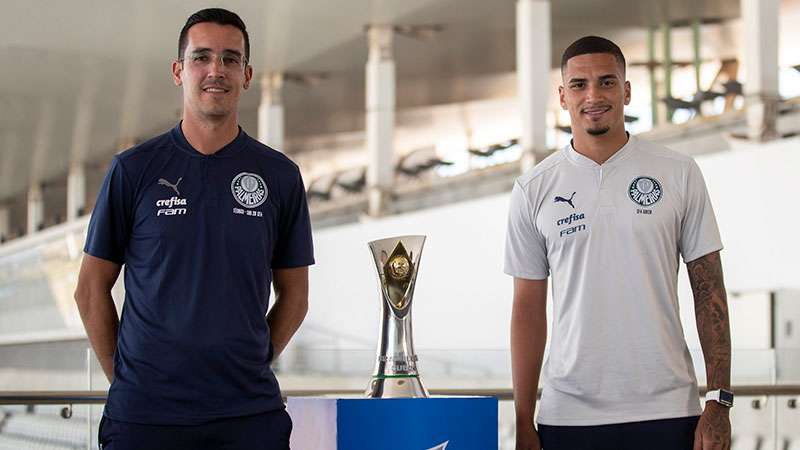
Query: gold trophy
x: 397, y: 263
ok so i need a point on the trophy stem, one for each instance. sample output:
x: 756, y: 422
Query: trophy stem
x: 396, y: 387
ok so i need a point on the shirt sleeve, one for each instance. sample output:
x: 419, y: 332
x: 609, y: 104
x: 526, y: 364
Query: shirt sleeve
x: 526, y: 250
x: 294, y: 247
x: 699, y: 231
x: 110, y: 224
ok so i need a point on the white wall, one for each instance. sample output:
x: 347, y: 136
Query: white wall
x: 463, y: 300
x: 754, y: 189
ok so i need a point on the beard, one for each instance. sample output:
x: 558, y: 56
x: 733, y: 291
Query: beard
x: 598, y: 131
x: 213, y: 110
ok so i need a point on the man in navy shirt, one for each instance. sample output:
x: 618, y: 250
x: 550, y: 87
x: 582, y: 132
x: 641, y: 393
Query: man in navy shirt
x: 203, y: 218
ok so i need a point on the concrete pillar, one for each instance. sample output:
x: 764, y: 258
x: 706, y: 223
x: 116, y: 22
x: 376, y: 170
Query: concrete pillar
x: 651, y: 71
x: 697, y: 62
x: 380, y: 106
x: 270, y: 111
x: 760, y: 18
x: 5, y: 223
x: 76, y: 192
x: 666, y: 29
x: 533, y: 76
x: 35, y: 208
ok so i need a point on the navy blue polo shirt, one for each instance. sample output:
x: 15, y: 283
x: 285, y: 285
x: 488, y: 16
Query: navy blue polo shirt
x: 198, y: 235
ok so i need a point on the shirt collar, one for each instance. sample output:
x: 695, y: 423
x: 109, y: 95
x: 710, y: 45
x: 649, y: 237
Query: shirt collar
x: 227, y: 150
x: 585, y: 161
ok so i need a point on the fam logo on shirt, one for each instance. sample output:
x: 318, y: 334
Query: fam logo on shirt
x: 249, y: 189
x: 645, y: 191
x: 570, y: 228
x: 171, y: 206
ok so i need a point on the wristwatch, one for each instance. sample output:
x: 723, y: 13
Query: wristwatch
x: 722, y: 396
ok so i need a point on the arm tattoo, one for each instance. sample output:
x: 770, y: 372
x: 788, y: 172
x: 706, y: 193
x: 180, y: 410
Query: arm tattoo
x: 711, y: 312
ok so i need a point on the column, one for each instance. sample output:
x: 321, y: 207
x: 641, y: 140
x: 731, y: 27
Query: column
x: 380, y: 106
x: 666, y: 29
x: 35, y: 208
x: 651, y: 71
x: 697, y: 62
x: 533, y: 76
x: 760, y: 18
x: 5, y: 223
x: 270, y: 111
x: 76, y: 191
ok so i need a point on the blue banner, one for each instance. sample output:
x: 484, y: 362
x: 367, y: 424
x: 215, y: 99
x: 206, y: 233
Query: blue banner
x: 444, y: 423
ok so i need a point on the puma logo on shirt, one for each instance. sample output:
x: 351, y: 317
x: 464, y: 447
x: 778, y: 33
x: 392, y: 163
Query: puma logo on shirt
x: 163, y: 182
x: 559, y: 199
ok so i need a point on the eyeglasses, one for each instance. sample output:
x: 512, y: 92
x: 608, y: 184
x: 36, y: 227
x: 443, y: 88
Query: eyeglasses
x: 229, y: 61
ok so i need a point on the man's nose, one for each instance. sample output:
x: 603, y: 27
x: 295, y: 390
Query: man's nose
x: 216, y: 68
x: 593, y: 92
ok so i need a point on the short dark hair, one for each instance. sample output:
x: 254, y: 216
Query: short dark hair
x: 592, y: 44
x: 214, y: 15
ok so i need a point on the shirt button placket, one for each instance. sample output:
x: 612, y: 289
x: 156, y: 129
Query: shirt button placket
x: 211, y: 197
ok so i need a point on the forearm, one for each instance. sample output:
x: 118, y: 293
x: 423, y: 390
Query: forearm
x: 528, y: 337
x: 290, y: 308
x: 285, y: 318
x: 711, y: 313
x: 99, y: 316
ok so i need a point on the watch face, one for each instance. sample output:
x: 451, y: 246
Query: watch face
x: 726, y: 397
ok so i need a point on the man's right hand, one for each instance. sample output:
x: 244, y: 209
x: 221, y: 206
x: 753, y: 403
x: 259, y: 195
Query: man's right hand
x: 527, y: 438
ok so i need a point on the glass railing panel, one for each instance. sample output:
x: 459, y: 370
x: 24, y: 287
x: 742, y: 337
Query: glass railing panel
x: 51, y: 427
x: 787, y: 369
x: 51, y: 366
x: 37, y: 281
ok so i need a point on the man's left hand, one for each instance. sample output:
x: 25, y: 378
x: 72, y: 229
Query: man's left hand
x: 713, y: 431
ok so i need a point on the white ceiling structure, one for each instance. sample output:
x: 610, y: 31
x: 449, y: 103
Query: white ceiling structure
x: 79, y: 79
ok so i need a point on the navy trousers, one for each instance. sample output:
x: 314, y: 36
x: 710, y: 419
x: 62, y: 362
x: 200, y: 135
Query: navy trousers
x: 267, y: 431
x: 666, y: 434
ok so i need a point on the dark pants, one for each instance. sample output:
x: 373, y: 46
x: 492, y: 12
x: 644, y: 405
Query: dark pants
x: 267, y: 431
x: 666, y: 434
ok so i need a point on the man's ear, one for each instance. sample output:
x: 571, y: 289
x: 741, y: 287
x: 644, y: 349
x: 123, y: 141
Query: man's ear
x: 561, y: 98
x: 627, y: 92
x: 248, y: 76
x: 177, y: 71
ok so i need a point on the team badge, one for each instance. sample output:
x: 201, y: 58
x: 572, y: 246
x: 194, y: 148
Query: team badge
x: 645, y: 191
x: 249, y: 189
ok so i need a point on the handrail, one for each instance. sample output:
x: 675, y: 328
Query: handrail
x: 99, y: 397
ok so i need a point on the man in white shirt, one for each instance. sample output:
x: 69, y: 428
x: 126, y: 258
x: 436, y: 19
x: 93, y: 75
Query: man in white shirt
x: 607, y: 218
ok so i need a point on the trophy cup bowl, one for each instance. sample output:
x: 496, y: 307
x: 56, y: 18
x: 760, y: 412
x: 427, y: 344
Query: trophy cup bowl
x: 397, y: 263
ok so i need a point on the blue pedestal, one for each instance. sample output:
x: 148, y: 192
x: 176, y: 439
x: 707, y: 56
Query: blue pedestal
x: 437, y: 423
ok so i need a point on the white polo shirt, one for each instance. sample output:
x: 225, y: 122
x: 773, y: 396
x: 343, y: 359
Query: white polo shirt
x: 610, y: 236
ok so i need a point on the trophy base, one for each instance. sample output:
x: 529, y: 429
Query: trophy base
x: 396, y: 387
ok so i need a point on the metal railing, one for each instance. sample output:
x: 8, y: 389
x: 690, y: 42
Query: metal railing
x: 99, y: 397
